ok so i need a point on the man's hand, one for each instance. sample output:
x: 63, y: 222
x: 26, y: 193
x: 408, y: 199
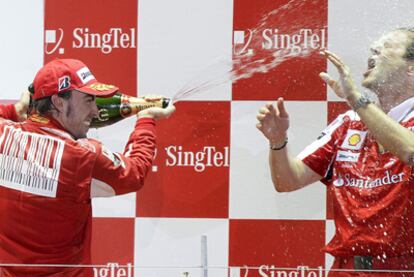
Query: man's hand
x: 345, y: 86
x: 157, y: 113
x: 274, y: 122
x: 22, y: 106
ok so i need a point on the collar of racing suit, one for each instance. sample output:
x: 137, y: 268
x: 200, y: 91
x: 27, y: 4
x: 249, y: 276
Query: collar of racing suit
x: 400, y: 112
x: 48, y: 122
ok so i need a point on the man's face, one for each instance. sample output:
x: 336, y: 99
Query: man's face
x: 386, y: 64
x: 77, y: 113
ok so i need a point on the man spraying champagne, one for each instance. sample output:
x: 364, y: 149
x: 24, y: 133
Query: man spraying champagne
x: 50, y: 171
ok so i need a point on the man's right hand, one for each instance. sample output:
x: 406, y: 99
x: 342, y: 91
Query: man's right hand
x: 157, y: 113
x: 274, y: 122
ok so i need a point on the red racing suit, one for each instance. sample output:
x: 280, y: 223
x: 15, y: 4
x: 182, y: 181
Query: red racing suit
x: 8, y: 112
x: 373, y: 191
x: 47, y: 179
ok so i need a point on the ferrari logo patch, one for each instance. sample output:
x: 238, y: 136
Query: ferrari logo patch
x: 101, y: 87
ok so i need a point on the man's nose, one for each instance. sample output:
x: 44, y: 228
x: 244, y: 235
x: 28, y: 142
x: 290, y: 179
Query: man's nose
x: 94, y: 110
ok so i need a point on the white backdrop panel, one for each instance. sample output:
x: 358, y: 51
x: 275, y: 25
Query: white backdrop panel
x: 176, y: 242
x: 182, y: 40
x: 21, y: 47
x: 251, y: 191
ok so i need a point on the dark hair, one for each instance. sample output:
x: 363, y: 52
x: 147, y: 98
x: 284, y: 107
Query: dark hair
x: 44, y: 105
x: 409, y: 53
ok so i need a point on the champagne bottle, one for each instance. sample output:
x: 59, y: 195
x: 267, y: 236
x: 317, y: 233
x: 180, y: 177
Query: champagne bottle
x: 120, y: 106
x: 117, y: 107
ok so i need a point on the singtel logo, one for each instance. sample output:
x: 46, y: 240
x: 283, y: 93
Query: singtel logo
x: 302, y: 271
x: 113, y: 270
x: 115, y: 38
x: 83, y: 38
x: 209, y: 156
x: 304, y: 39
x: 272, y: 39
x: 53, y: 39
x: 273, y: 271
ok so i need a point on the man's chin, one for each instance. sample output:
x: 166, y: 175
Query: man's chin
x: 368, y: 83
x: 365, y: 84
x: 80, y: 135
x: 372, y: 86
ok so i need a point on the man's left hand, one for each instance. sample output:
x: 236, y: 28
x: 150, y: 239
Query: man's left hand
x: 22, y: 106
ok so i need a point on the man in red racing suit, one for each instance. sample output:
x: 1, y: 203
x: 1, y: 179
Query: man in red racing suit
x: 373, y: 193
x: 49, y: 171
x: 365, y: 157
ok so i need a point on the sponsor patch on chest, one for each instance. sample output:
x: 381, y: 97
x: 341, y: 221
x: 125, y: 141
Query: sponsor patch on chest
x: 354, y: 139
x: 349, y: 180
x: 113, y: 157
x: 30, y: 162
x: 347, y: 156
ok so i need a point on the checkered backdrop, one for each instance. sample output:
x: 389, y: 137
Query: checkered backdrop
x: 224, y: 195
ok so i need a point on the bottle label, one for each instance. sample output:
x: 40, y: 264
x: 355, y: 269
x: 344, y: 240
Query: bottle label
x: 130, y: 105
x: 125, y: 109
x: 120, y: 106
x: 103, y: 115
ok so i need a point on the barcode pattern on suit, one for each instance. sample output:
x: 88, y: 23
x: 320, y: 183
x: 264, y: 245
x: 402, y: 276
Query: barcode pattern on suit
x: 30, y: 162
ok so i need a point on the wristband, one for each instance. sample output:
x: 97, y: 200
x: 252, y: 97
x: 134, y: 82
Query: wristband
x: 272, y: 147
x: 362, y: 101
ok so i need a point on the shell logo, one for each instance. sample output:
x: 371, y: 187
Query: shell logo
x: 354, y: 139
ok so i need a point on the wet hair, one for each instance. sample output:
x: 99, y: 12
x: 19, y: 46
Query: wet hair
x: 409, y: 53
x: 44, y: 106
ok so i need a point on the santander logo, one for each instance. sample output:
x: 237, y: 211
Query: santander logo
x: 388, y: 179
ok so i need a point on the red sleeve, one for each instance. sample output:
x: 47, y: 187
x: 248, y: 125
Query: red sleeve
x: 320, y: 155
x: 409, y: 124
x: 116, y: 173
x: 8, y: 112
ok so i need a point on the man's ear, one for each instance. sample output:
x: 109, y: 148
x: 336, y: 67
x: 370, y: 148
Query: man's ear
x: 57, y: 102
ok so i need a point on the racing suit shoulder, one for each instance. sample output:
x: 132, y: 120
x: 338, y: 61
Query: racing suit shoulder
x: 320, y: 154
